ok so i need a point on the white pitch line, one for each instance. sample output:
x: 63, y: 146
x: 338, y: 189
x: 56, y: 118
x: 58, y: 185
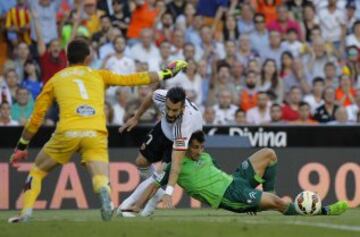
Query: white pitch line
x: 304, y: 223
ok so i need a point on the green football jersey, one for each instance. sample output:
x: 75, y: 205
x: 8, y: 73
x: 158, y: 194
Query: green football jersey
x: 203, y: 180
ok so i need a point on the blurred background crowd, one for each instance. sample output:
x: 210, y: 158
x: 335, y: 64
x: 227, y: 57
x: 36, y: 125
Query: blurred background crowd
x: 250, y: 61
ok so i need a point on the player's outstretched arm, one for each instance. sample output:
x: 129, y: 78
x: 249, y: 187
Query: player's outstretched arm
x: 176, y: 158
x: 143, y: 78
x: 133, y: 121
x: 42, y: 104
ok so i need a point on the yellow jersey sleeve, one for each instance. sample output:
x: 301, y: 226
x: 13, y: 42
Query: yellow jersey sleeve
x: 42, y: 104
x: 110, y: 78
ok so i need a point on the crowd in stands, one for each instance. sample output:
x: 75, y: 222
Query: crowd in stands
x: 255, y: 62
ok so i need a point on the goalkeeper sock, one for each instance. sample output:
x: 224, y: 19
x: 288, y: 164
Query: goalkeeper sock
x: 270, y: 177
x: 32, y: 189
x: 99, y: 182
x: 290, y: 211
x: 135, y: 196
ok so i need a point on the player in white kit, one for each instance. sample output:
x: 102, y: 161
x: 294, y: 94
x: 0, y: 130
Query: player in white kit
x: 166, y: 142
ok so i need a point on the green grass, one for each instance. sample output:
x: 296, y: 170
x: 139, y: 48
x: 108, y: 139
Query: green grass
x: 181, y: 222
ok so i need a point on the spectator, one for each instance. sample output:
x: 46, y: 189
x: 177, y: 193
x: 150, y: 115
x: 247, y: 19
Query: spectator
x: 315, y: 99
x: 178, y: 42
x: 44, y: 12
x: 269, y: 80
x: 304, y: 115
x: 224, y: 110
x: 354, y: 37
x: 276, y: 114
x: 187, y: 17
x: 143, y: 17
x: 21, y: 53
x: 259, y: 36
x: 292, y: 43
x: 245, y: 23
x: 31, y: 79
x: 240, y: 117
x: 165, y: 29
x: 21, y: 110
x: 5, y: 118
x: 331, y: 78
x: 108, y: 47
x: 18, y: 24
x: 121, y: 16
x: 316, y: 60
x: 223, y: 81
x: 11, y: 84
x: 209, y: 115
x: 292, y: 73
x: 268, y: 9
x: 109, y: 113
x: 261, y: 113
x: 310, y: 20
x: 326, y: 112
x: 345, y: 93
x: 231, y: 31
x: 205, y: 81
x: 93, y: 16
x: 209, y: 48
x: 353, y: 64
x: 5, y: 93
x: 230, y: 53
x: 248, y: 95
x: 283, y: 23
x: 102, y: 35
x: 245, y: 53
x: 192, y: 33
x: 189, y: 52
x: 51, y: 60
x: 350, y: 15
x: 353, y: 109
x: 341, y: 117
x: 120, y: 104
x: 146, y: 50
x: 72, y: 28
x: 253, y: 65
x: 274, y: 49
x: 176, y: 8
x: 332, y: 23
x: 290, y: 110
x: 237, y: 72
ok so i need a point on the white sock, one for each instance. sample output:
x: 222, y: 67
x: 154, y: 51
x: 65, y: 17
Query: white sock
x: 146, y: 172
x: 127, y: 203
x: 152, y: 203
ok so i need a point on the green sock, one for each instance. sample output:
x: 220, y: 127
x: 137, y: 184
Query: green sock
x: 269, y: 177
x: 290, y: 211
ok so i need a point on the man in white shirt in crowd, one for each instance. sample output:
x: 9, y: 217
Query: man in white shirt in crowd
x: 354, y: 38
x: 224, y: 110
x: 261, y: 113
x: 354, y: 109
x: 146, y: 50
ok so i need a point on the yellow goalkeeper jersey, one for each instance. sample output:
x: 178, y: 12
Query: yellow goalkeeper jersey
x: 80, y: 92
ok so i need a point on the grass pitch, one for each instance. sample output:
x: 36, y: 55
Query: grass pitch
x: 181, y: 222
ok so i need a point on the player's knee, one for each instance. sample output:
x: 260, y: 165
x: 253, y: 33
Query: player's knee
x: 270, y: 154
x: 141, y: 162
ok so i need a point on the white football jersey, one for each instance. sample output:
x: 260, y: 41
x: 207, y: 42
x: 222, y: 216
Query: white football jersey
x: 181, y: 130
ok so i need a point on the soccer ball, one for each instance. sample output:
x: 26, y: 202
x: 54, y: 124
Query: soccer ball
x: 308, y: 203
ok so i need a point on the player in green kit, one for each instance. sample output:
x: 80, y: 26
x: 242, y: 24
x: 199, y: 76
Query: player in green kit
x: 204, y: 181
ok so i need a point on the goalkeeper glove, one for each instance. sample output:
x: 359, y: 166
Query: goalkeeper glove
x: 20, y: 153
x: 172, y: 69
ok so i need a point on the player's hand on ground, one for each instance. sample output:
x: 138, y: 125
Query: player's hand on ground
x: 18, y: 156
x: 167, y: 201
x: 130, y: 124
x: 173, y: 68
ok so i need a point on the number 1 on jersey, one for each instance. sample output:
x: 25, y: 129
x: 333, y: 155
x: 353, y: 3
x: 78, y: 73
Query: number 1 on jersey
x: 82, y: 88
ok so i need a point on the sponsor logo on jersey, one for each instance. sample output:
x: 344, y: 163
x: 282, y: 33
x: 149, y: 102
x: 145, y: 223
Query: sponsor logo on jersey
x: 244, y: 165
x: 85, y: 110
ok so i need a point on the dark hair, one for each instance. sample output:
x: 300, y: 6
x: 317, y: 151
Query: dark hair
x: 26, y: 75
x: 258, y: 14
x: 198, y: 136
x: 176, y: 94
x: 239, y: 110
x: 329, y: 64
x: 303, y: 103
x: 77, y: 51
x: 275, y: 76
x: 357, y: 22
x: 221, y: 64
x: 291, y: 30
x: 275, y: 105
x: 318, y: 79
x: 287, y: 53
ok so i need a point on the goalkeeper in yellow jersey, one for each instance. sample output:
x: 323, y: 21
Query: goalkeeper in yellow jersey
x: 79, y: 91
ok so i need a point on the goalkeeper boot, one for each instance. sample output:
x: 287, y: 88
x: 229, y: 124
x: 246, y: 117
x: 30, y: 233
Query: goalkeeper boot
x: 337, y: 208
x: 24, y: 217
x: 107, y: 207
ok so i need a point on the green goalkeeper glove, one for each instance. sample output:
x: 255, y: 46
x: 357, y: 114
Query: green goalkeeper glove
x: 172, y: 69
